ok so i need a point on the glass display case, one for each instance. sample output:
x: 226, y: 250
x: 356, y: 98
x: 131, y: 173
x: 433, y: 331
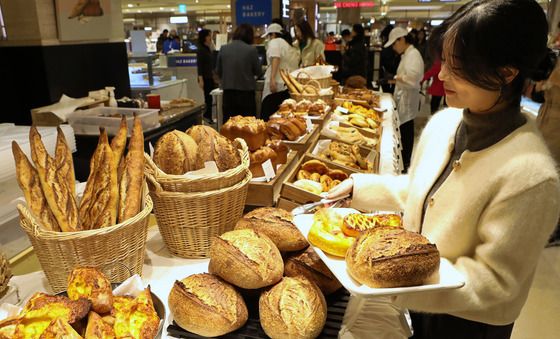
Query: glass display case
x: 145, y: 72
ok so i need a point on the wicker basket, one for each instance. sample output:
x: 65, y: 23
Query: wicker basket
x: 118, y: 250
x: 188, y: 221
x: 309, y: 96
x: 324, y: 82
x: 200, y: 183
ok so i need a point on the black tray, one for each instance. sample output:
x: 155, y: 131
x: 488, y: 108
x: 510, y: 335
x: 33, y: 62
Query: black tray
x: 336, y: 306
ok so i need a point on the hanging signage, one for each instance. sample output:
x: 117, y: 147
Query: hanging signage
x: 285, y: 8
x: 354, y: 4
x: 181, y: 61
x: 253, y: 12
x: 182, y: 8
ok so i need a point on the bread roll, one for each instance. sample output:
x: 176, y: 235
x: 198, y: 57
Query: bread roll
x: 277, y: 224
x: 206, y: 305
x: 246, y: 259
x: 217, y: 148
x: 281, y: 151
x: 294, y: 308
x: 28, y: 180
x: 251, y: 129
x: 392, y: 257
x: 60, y: 199
x: 309, y: 265
x: 258, y: 157
x: 131, y: 184
x: 89, y: 283
x: 175, y: 153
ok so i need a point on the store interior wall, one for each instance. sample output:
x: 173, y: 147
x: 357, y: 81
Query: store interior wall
x: 37, y: 68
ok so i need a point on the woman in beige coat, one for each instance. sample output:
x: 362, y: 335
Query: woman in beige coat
x: 548, y: 119
x: 482, y: 184
x: 312, y: 49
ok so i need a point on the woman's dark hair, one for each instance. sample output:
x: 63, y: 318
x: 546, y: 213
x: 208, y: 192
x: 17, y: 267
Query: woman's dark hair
x: 484, y: 37
x: 306, y: 31
x: 202, y: 34
x: 345, y: 32
x: 359, y: 29
x: 385, y: 33
x: 245, y: 33
x: 410, y: 39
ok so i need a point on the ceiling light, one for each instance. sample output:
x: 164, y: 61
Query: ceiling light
x: 139, y: 11
x: 130, y: 5
x: 228, y: 6
x: 161, y: 8
x: 147, y: 28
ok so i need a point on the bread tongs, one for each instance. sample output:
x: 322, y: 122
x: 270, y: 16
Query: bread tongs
x: 303, y: 209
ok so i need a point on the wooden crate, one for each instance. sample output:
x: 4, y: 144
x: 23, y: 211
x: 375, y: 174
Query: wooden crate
x: 267, y: 193
x: 364, y: 151
x: 286, y: 204
x: 298, y: 195
x: 50, y: 119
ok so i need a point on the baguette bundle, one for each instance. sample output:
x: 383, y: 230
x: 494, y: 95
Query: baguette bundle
x: 293, y: 85
x: 113, y: 191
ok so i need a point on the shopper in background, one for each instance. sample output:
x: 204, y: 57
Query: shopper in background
x: 407, y: 87
x: 312, y: 49
x: 172, y: 44
x: 389, y: 62
x: 436, y: 89
x: 346, y: 38
x: 483, y: 186
x: 238, y: 66
x: 422, y: 47
x: 330, y: 42
x: 280, y: 56
x: 161, y: 39
x: 205, y: 66
x: 354, y: 61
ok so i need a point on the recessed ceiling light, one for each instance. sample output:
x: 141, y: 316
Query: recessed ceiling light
x: 161, y: 8
x: 130, y: 5
x: 228, y: 6
x: 139, y: 11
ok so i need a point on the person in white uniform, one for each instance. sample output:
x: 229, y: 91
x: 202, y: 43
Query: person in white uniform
x: 407, y: 89
x: 279, y: 55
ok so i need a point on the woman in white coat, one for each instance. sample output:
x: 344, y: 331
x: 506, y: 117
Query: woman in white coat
x: 482, y: 185
x: 407, y: 90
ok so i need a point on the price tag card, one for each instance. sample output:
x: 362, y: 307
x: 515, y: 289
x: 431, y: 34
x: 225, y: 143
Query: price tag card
x: 342, y: 110
x: 211, y: 167
x: 151, y: 147
x: 372, y: 156
x: 268, y: 170
x: 309, y: 125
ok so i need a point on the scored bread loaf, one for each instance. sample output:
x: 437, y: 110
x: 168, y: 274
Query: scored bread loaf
x: 294, y: 308
x: 214, y: 147
x: 60, y: 199
x: 118, y: 143
x: 206, y: 305
x: 392, y: 257
x: 98, y: 207
x: 277, y: 224
x: 63, y: 160
x: 132, y: 181
x: 175, y: 153
x: 28, y: 180
x: 246, y: 259
x: 309, y: 265
x: 251, y: 129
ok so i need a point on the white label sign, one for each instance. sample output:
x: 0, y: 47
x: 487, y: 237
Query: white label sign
x: 342, y: 110
x: 309, y: 125
x: 372, y: 156
x: 268, y: 170
x: 211, y: 167
x: 151, y: 147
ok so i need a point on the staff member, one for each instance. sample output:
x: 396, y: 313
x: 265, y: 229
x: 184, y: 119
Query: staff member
x: 205, y: 69
x: 482, y: 186
x: 238, y: 66
x: 407, y: 89
x: 280, y: 56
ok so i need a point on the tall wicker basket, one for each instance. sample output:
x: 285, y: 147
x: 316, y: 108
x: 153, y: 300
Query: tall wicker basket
x: 188, y: 221
x: 201, y: 183
x: 118, y: 250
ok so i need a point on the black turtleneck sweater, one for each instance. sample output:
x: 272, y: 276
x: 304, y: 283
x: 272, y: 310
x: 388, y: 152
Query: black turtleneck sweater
x: 475, y: 133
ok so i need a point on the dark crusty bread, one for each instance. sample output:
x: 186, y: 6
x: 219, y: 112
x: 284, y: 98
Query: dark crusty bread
x: 392, y: 257
x: 294, y: 308
x: 206, y: 305
x: 309, y: 265
x: 246, y: 259
x: 214, y: 147
x: 131, y: 184
x: 277, y: 224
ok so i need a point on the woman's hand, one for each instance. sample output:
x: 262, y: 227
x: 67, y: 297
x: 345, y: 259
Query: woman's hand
x: 273, y: 87
x: 344, y: 188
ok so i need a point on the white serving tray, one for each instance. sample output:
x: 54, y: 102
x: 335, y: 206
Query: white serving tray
x: 447, y: 277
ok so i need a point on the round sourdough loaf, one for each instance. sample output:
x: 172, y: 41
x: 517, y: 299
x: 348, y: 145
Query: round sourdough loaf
x: 277, y: 224
x: 206, y: 305
x: 294, y: 308
x: 392, y: 257
x: 309, y: 265
x: 214, y: 147
x: 246, y: 258
x: 175, y: 153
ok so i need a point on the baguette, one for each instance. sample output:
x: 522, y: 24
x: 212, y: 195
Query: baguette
x: 295, y: 83
x: 130, y: 189
x: 28, y: 180
x: 63, y: 160
x: 99, y: 204
x: 118, y: 143
x: 287, y: 81
x: 60, y: 199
